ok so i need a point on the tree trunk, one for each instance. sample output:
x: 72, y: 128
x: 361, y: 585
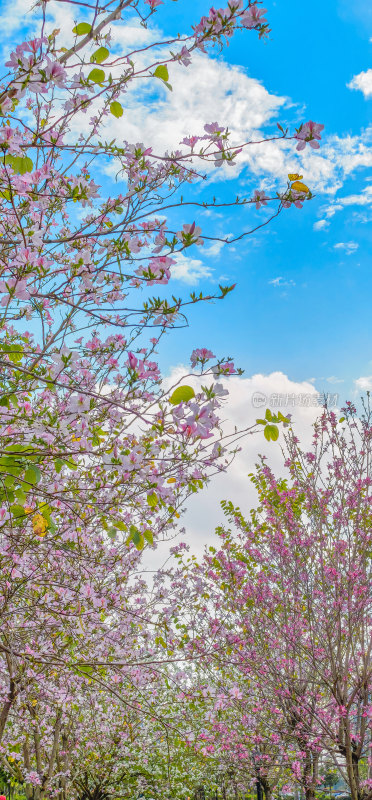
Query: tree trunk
x: 267, y: 788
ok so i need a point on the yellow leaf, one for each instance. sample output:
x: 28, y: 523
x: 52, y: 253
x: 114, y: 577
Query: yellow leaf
x: 171, y: 480
x: 39, y: 524
x: 300, y: 187
x: 294, y: 176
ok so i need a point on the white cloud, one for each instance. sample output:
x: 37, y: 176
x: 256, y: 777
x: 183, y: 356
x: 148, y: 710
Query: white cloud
x: 190, y: 270
x: 248, y: 399
x: 334, y: 379
x: 321, y: 224
x: 211, y: 90
x: 208, y: 90
x: 364, y: 198
x: 349, y: 247
x: 11, y: 14
x: 215, y: 248
x: 364, y: 384
x: 363, y: 82
x: 280, y: 281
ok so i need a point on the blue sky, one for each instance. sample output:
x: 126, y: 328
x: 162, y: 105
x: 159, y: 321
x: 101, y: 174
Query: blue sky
x: 299, y: 321
x: 302, y: 301
x: 315, y: 322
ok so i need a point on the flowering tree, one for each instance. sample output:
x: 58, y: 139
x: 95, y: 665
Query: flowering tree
x: 81, y: 392
x: 284, y: 605
x: 97, y: 456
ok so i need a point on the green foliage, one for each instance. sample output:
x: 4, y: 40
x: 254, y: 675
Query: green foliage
x: 96, y: 76
x: 100, y: 55
x: 20, y: 164
x: 82, y: 28
x: 152, y: 499
x: 117, y: 111
x: 271, y: 421
x: 161, y: 72
x: 182, y: 395
x: 271, y: 432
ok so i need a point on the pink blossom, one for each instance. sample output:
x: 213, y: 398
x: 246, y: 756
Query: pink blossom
x: 55, y: 72
x: 213, y: 128
x: 201, y: 355
x: 184, y: 57
x: 190, y: 234
x: 190, y: 140
x: 253, y: 17
x: 33, y: 778
x: 309, y: 133
x: 157, y: 271
x: 260, y: 199
x: 226, y: 368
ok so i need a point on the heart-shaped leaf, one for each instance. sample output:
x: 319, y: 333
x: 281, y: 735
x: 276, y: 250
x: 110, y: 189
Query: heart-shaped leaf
x: 182, y: 395
x: 82, y: 28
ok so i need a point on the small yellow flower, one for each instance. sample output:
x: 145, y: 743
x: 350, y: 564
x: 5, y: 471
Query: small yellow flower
x: 171, y: 480
x: 295, y: 176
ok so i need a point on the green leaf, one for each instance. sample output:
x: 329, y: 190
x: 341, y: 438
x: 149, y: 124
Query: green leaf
x: 261, y: 421
x: 15, y: 354
x: 182, y: 395
x: 100, y: 55
x: 121, y: 526
x: 116, y: 109
x: 268, y: 415
x: 58, y: 464
x: 21, y: 496
x: 17, y: 511
x: 82, y: 28
x: 112, y: 533
x: 342, y: 419
x: 19, y: 448
x: 152, y: 499
x: 149, y: 536
x: 162, y: 73
x: 136, y: 537
x: 71, y: 465
x: 32, y: 475
x: 85, y: 669
x: 271, y: 432
x: 20, y: 164
x: 96, y: 76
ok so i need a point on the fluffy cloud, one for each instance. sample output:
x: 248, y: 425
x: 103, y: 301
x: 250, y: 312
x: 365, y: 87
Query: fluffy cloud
x: 321, y: 224
x: 248, y: 399
x: 348, y: 247
x: 280, y: 281
x: 363, y: 384
x: 363, y: 82
x: 190, y: 270
x: 363, y: 198
x: 208, y: 90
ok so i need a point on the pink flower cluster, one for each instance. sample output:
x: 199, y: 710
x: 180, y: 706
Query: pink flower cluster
x: 309, y: 133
